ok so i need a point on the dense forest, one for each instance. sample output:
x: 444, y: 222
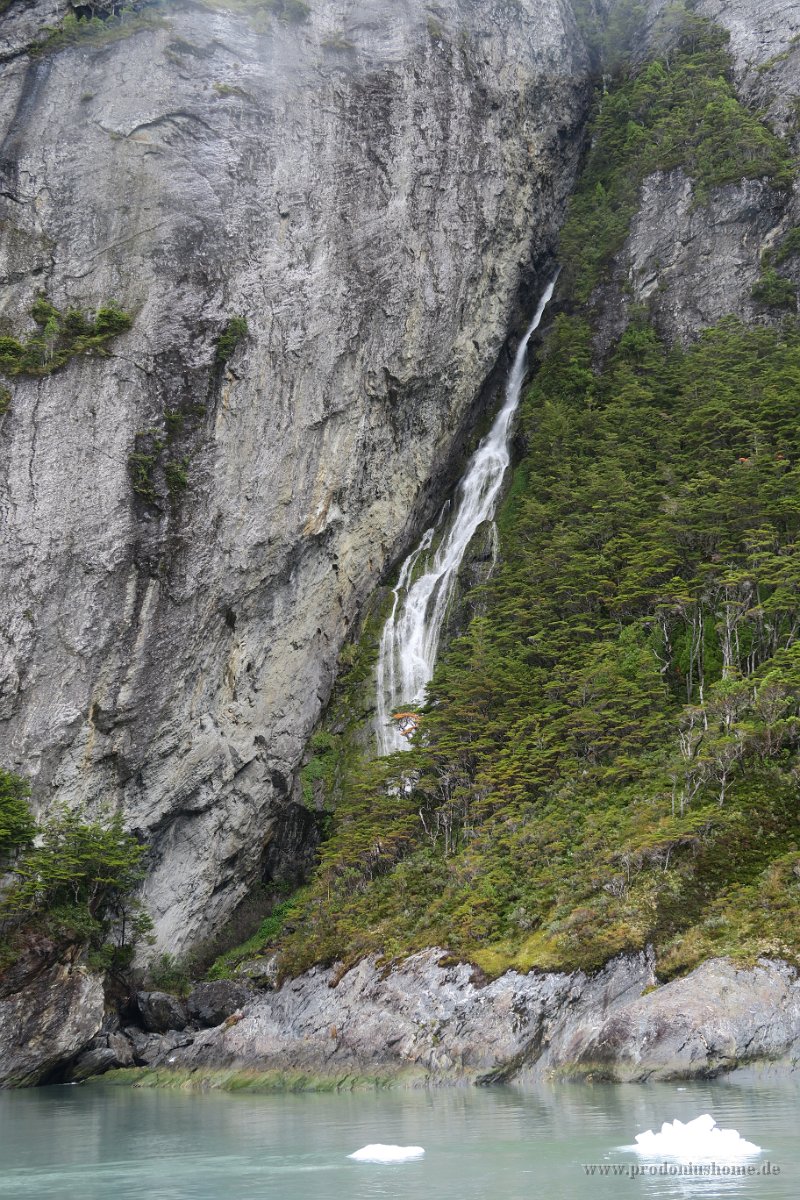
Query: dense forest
x: 609, y: 753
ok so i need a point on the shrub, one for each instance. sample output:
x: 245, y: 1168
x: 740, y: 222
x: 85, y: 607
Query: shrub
x: 234, y: 332
x: 60, y: 337
x: 166, y: 974
x: 774, y: 291
x: 117, y: 21
x: 176, y: 474
x: 789, y: 246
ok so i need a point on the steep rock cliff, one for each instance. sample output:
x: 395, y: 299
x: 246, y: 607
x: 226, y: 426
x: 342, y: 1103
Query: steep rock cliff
x: 371, y: 188
x: 691, y: 263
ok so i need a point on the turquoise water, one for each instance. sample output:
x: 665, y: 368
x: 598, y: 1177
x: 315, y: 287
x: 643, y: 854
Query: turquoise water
x: 104, y: 1143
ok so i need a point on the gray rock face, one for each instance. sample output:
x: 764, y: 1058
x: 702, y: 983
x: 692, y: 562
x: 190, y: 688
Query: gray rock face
x: 97, y: 1060
x: 372, y: 189
x: 693, y: 265
x: 714, y: 1020
x: 436, y: 1019
x: 161, y: 1011
x: 210, y: 1003
x: 441, y: 1022
x: 48, y: 1013
x: 149, y: 1049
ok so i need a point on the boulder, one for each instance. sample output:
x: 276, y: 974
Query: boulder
x: 211, y: 1003
x: 93, y: 1062
x: 161, y: 1011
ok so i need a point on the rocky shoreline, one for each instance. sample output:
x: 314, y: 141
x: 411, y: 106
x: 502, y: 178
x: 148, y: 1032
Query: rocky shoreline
x: 422, y: 1021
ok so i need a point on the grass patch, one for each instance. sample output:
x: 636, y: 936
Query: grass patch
x: 259, y: 944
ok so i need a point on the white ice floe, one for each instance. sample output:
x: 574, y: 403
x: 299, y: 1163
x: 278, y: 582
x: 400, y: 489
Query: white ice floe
x: 695, y: 1141
x: 377, y: 1153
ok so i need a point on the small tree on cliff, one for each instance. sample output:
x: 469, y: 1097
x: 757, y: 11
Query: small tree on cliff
x: 76, y: 883
x: 17, y: 827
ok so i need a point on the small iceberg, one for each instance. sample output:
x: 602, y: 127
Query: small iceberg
x: 698, y: 1139
x: 378, y: 1153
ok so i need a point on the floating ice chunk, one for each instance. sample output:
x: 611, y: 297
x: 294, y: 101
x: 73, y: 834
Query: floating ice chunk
x: 697, y: 1140
x: 376, y: 1153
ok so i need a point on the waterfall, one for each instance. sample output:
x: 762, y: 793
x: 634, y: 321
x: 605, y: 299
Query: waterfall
x: 410, y: 637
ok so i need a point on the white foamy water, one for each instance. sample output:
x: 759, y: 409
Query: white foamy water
x: 410, y: 637
x: 696, y: 1141
x: 378, y: 1153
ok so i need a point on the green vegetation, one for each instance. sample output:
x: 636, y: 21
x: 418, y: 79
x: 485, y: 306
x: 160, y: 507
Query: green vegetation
x: 435, y: 28
x: 774, y: 291
x: 60, y: 337
x: 321, y: 767
x: 788, y: 247
x: 157, y: 459
x: 5, y: 401
x: 98, y: 31
x: 176, y: 473
x: 229, y: 89
x: 17, y: 827
x: 72, y: 884
x: 235, y: 331
x: 142, y: 466
x: 167, y: 974
x: 679, y: 111
x: 259, y: 944
x: 236, y: 1080
x: 609, y: 754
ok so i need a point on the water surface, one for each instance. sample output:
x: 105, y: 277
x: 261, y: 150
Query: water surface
x: 99, y: 1142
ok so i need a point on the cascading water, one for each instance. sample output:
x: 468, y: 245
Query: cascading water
x: 410, y: 637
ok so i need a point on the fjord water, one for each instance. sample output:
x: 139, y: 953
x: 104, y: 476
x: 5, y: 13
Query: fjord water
x: 100, y: 1142
x: 410, y: 638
